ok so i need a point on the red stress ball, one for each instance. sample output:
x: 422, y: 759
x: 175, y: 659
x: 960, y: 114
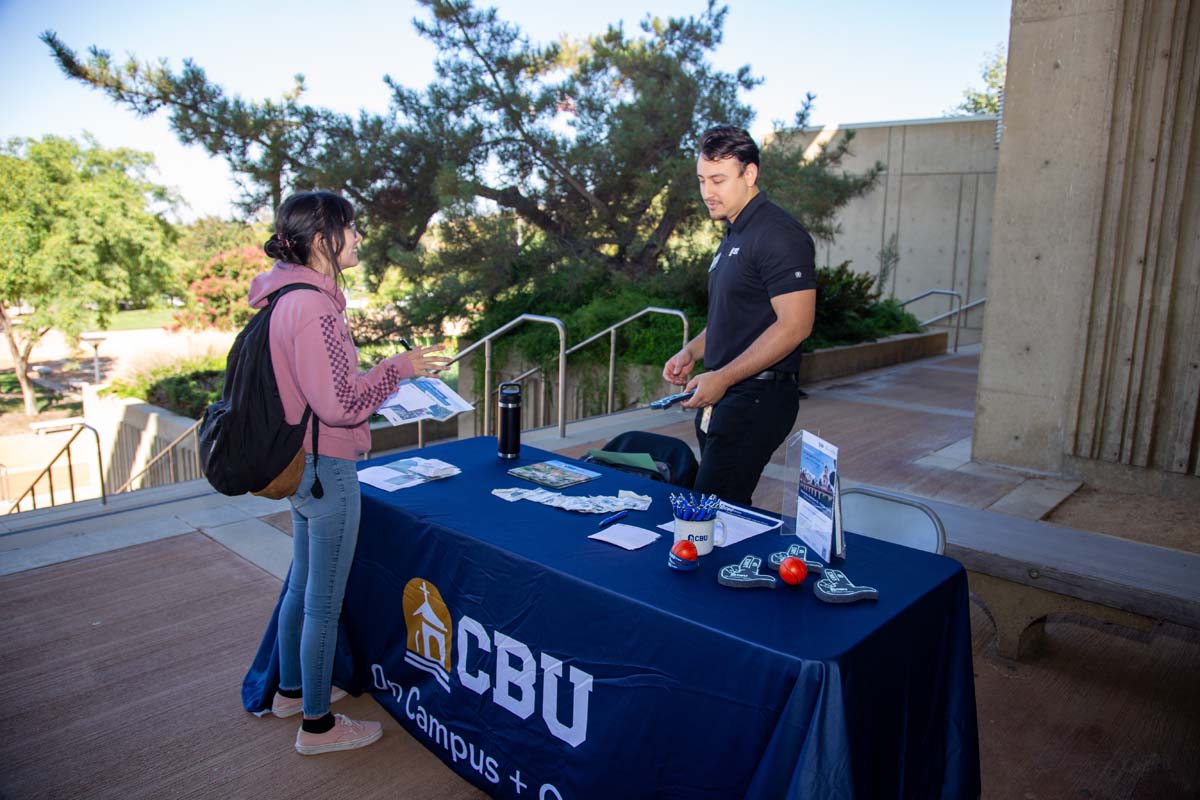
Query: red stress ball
x: 684, y: 556
x: 685, y: 549
x: 792, y: 571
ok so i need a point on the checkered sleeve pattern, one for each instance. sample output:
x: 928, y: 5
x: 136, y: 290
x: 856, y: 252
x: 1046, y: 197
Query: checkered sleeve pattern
x: 355, y: 396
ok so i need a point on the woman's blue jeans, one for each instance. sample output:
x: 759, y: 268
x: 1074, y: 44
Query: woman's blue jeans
x: 324, y: 535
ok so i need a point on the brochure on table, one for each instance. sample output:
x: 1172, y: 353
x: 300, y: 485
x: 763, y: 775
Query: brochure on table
x: 555, y: 474
x: 422, y: 398
x: 812, y: 505
x: 406, y: 472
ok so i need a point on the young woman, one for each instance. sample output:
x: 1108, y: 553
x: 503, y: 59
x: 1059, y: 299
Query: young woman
x: 316, y: 364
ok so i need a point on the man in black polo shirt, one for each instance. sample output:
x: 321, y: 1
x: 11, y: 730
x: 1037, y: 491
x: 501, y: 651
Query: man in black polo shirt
x: 761, y: 302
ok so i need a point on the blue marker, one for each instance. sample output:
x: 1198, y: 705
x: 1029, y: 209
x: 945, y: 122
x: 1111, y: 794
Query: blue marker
x: 614, y: 518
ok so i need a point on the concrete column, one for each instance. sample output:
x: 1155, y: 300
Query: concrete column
x: 1091, y: 354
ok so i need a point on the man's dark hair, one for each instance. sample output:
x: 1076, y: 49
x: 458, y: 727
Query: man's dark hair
x: 723, y: 141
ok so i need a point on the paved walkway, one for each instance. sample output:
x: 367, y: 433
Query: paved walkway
x: 1101, y: 713
x: 906, y: 428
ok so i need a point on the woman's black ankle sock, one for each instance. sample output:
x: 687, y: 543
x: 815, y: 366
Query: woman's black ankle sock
x: 291, y: 694
x: 320, y: 725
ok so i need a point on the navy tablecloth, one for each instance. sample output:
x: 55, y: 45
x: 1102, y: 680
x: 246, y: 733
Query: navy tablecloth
x: 539, y: 663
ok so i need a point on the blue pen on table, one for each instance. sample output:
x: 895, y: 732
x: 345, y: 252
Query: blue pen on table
x: 614, y: 518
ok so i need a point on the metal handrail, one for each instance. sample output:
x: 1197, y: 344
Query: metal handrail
x: 168, y: 449
x: 48, y: 472
x: 952, y: 312
x: 611, y: 330
x: 949, y: 292
x: 486, y: 341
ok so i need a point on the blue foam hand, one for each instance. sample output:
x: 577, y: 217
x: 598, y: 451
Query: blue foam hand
x: 795, y: 551
x: 745, y: 575
x: 835, y: 587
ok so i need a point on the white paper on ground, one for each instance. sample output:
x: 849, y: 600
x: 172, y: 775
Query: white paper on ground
x: 630, y: 537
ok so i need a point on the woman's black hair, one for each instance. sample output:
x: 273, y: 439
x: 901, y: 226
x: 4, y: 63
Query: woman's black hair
x: 298, y: 221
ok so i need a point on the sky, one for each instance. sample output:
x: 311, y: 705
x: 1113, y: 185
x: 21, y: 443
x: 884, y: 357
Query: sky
x: 865, y: 60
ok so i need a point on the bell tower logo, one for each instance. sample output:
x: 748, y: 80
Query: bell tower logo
x: 429, y: 630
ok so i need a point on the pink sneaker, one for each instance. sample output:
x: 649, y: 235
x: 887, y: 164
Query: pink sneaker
x: 346, y: 734
x: 290, y: 706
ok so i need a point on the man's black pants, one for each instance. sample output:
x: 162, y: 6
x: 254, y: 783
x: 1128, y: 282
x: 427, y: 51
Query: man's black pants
x: 748, y: 424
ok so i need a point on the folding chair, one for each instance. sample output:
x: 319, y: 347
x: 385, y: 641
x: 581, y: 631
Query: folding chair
x: 882, y: 515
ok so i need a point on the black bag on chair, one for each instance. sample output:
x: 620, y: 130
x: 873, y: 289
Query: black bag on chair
x: 677, y: 464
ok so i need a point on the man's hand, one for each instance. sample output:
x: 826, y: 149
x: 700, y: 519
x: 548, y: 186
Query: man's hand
x: 710, y: 388
x: 678, y: 366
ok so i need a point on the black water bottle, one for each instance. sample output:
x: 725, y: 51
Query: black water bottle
x: 509, y: 421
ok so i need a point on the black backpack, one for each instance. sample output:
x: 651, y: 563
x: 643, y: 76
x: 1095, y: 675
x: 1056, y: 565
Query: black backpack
x: 245, y: 442
x: 675, y: 460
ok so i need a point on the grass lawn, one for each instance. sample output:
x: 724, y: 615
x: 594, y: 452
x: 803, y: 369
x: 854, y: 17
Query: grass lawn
x: 12, y: 402
x: 139, y: 318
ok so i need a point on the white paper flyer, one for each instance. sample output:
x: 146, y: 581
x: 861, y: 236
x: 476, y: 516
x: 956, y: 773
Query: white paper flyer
x: 816, y: 497
x: 422, y: 398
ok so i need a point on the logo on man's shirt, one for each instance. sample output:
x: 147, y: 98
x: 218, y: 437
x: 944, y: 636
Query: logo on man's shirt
x: 734, y: 251
x: 799, y: 273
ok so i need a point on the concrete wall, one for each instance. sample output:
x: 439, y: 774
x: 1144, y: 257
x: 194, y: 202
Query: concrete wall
x: 132, y: 433
x: 936, y: 197
x: 23, y: 456
x: 1091, y: 357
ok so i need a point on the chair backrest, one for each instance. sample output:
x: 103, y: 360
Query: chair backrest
x: 674, y: 453
x: 881, y: 515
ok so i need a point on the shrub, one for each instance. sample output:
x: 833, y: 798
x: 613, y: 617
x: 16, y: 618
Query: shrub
x: 185, y: 387
x: 216, y: 298
x: 849, y: 310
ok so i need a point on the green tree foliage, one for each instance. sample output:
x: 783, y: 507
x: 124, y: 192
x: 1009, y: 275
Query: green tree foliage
x: 275, y: 146
x: 83, y: 227
x: 553, y: 169
x: 588, y: 150
x: 202, y: 240
x: 987, y: 100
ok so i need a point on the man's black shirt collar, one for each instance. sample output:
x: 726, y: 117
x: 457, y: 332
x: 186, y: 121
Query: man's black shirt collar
x: 743, y: 218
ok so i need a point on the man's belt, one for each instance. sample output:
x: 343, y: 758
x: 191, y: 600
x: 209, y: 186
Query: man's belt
x: 776, y: 375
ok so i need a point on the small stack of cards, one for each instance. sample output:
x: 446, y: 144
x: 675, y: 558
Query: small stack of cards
x: 592, y: 504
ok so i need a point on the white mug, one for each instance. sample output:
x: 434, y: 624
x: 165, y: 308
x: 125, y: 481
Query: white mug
x: 704, y: 534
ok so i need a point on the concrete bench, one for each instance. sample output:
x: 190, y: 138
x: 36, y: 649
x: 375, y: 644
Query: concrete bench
x: 1024, y: 570
x: 56, y: 425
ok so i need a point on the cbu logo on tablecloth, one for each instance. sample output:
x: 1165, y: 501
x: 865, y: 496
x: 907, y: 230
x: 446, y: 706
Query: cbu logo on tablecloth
x: 513, y: 680
x: 429, y: 630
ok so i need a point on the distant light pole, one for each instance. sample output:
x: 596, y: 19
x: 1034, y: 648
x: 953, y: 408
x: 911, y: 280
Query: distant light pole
x: 94, y: 340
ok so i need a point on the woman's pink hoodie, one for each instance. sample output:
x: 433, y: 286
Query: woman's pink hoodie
x: 316, y: 361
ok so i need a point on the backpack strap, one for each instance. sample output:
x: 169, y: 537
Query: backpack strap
x: 289, y: 287
x: 318, y: 491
